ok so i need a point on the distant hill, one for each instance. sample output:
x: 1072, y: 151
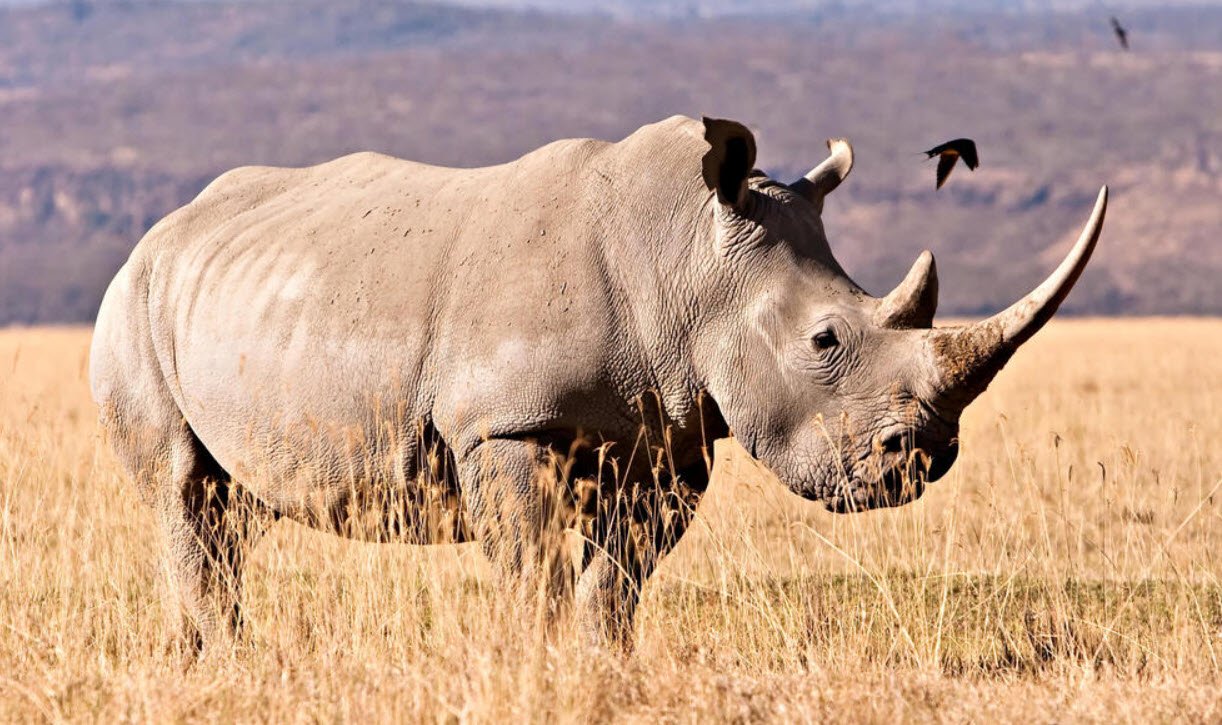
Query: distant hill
x: 825, y: 8
x: 709, y: 8
x: 114, y: 113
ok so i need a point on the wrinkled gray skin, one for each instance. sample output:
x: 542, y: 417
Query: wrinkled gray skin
x: 401, y: 352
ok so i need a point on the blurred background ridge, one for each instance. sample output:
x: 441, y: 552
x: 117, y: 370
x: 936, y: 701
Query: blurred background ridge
x: 114, y: 112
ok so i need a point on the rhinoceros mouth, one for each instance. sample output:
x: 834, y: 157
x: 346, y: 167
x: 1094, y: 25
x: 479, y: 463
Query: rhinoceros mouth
x: 895, y: 486
x: 894, y: 479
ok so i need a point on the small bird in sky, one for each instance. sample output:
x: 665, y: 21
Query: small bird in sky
x: 1121, y: 34
x: 949, y: 152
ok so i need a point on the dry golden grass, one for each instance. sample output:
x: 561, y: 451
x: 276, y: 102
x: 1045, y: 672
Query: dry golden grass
x: 1067, y: 568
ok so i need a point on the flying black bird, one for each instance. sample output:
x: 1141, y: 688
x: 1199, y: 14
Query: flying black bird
x: 1121, y: 34
x: 949, y: 152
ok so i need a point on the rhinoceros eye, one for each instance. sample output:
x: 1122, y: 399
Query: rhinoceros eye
x: 825, y: 340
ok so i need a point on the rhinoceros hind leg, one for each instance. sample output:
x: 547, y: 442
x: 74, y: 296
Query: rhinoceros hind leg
x: 210, y: 525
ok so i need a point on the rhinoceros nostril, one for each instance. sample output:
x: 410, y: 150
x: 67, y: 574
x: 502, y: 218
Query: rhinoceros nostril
x: 893, y: 444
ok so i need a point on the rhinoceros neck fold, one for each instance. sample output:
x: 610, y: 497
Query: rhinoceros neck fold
x: 655, y: 239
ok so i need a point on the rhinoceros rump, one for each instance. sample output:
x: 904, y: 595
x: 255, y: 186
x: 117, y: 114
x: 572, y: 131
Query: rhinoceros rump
x: 403, y: 352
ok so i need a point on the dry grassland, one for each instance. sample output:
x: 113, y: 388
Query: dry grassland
x: 1067, y: 568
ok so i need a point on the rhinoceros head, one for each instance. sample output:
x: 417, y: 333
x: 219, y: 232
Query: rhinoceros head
x: 849, y: 399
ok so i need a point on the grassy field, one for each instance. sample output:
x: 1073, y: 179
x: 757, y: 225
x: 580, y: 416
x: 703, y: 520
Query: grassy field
x: 1067, y: 568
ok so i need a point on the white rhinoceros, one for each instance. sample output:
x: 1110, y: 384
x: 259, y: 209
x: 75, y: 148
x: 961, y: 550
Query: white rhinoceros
x: 397, y: 351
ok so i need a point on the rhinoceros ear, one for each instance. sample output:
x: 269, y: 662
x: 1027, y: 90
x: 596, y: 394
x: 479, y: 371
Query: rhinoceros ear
x: 729, y: 161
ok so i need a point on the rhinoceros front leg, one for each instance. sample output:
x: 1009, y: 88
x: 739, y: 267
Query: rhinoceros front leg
x: 634, y: 528
x: 513, y: 498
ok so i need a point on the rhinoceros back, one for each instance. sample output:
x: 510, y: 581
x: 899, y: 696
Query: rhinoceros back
x: 308, y: 322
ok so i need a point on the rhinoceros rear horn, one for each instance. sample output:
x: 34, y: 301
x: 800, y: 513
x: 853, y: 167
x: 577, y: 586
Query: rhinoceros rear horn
x: 969, y: 356
x: 729, y: 161
x: 826, y: 176
x: 913, y: 303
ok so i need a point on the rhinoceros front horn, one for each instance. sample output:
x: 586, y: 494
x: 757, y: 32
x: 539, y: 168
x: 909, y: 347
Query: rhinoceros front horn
x: 826, y: 176
x: 968, y: 357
